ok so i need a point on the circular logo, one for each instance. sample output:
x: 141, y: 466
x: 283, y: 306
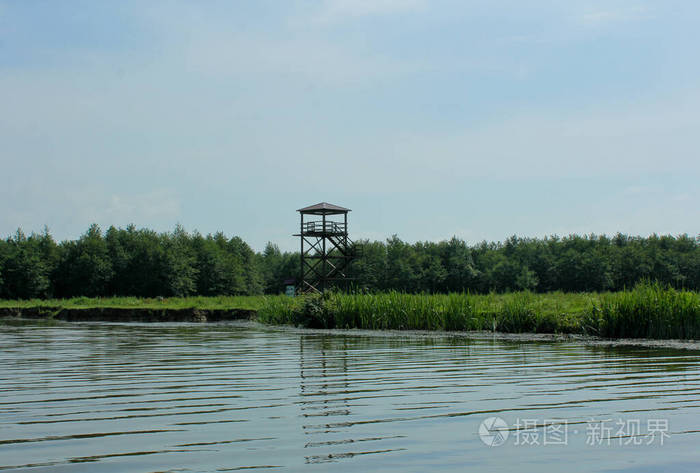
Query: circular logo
x: 494, y: 431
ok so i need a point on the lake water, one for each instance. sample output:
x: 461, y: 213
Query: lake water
x: 156, y: 398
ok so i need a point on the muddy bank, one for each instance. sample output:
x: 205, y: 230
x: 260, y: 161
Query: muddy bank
x: 106, y: 314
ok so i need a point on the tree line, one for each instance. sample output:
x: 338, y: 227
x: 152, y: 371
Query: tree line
x: 144, y: 263
x: 573, y: 264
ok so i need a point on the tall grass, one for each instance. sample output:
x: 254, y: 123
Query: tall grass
x: 647, y: 311
x: 516, y: 312
x: 650, y: 311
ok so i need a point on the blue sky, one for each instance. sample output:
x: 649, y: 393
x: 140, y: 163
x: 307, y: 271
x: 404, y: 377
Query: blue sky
x: 480, y: 119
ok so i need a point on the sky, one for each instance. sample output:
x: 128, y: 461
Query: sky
x: 429, y: 119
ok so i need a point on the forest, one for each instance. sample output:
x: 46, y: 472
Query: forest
x: 145, y: 263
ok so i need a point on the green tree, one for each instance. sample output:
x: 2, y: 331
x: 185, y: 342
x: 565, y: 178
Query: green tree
x: 403, y: 266
x: 461, y: 275
x: 245, y: 257
x: 86, y: 268
x: 369, y: 271
x: 27, y: 266
x: 181, y: 273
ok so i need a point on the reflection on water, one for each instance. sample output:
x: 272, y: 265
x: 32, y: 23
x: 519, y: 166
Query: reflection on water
x: 101, y: 397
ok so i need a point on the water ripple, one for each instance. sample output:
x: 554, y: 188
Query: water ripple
x: 228, y: 397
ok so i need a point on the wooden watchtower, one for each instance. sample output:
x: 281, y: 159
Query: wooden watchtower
x: 326, y: 249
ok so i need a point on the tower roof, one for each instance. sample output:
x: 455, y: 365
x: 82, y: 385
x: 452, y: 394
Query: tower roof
x: 323, y: 208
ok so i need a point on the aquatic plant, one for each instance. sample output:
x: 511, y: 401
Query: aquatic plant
x: 649, y: 310
x: 515, y: 312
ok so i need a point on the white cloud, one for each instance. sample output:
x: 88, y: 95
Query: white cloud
x: 158, y: 208
x: 627, y: 141
x: 338, y: 10
x: 639, y: 190
x: 159, y: 204
x: 317, y: 62
x: 607, y: 16
x: 684, y: 197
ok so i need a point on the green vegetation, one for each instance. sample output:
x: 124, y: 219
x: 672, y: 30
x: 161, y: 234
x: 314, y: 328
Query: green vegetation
x: 195, y: 302
x: 647, y: 311
x: 650, y: 310
x: 572, y: 264
x: 130, y: 262
x: 143, y: 263
x: 514, y: 312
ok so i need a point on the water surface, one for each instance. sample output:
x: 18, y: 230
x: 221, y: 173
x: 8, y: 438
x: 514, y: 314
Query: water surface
x: 201, y: 398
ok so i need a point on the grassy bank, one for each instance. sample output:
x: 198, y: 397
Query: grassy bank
x: 648, y: 311
x: 173, y: 303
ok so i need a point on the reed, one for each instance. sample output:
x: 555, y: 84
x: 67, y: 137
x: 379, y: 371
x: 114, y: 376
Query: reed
x: 651, y: 310
x: 515, y: 312
x: 647, y: 311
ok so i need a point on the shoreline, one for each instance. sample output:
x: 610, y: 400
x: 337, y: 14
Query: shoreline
x: 248, y: 317
x: 123, y: 314
x: 481, y: 335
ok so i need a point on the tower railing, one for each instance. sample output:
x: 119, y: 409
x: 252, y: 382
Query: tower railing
x: 327, y: 227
